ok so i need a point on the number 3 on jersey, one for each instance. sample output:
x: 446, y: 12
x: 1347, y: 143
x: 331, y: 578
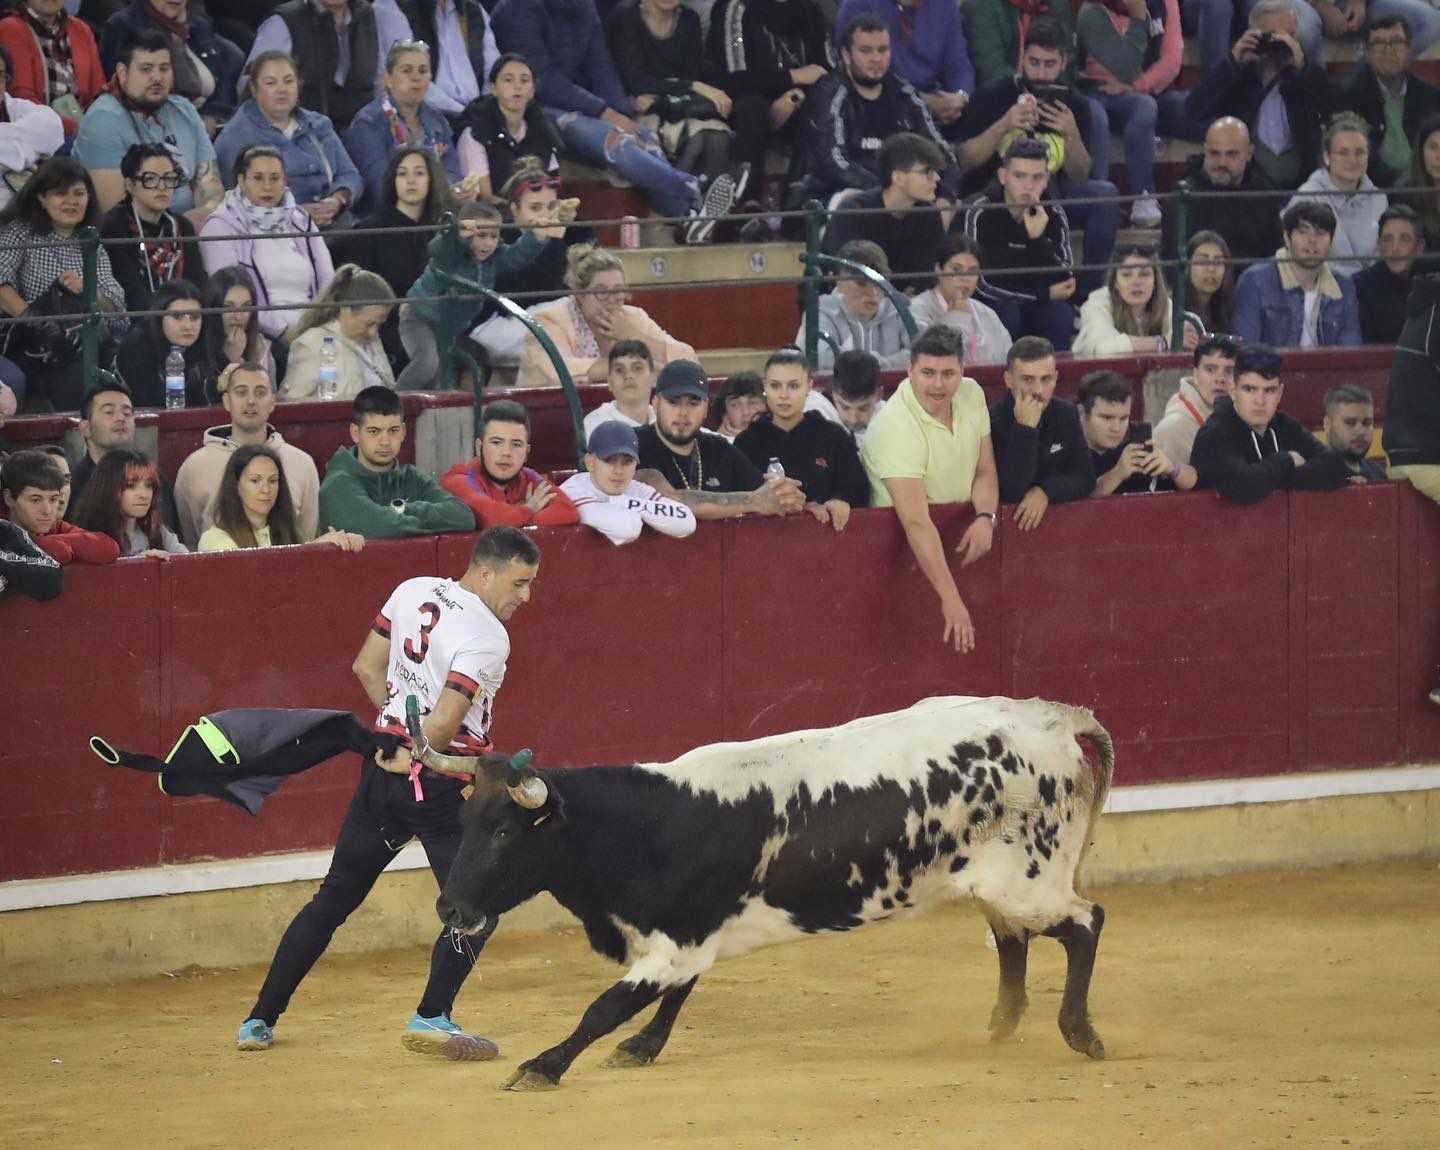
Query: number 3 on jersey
x: 431, y: 612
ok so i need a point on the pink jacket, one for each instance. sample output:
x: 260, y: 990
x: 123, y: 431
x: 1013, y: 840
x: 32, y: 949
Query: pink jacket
x: 1162, y: 73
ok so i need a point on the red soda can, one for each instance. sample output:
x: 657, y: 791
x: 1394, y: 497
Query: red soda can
x: 630, y: 232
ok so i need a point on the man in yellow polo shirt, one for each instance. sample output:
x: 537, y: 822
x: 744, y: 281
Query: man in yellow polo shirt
x: 931, y: 444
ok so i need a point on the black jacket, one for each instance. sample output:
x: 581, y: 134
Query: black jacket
x: 140, y: 274
x: 837, y: 144
x: 1137, y: 484
x: 223, y: 59
x: 421, y: 15
x: 990, y: 104
x: 1053, y: 456
x: 1004, y: 243
x: 1250, y: 223
x: 1246, y: 466
x: 909, y: 239
x: 487, y: 125
x: 753, y: 44
x: 719, y: 466
x: 140, y: 362
x: 313, y: 43
x: 819, y: 454
x: 1382, y: 295
x: 1412, y: 401
x: 649, y: 66
x: 398, y: 257
x: 24, y: 567
x: 1362, y: 89
x: 1311, y: 97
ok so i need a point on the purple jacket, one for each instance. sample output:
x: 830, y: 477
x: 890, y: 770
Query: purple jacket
x: 229, y: 220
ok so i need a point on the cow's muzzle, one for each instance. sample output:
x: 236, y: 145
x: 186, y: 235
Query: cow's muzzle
x: 471, y: 922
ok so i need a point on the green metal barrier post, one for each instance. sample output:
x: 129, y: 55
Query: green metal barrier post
x: 1179, y: 273
x: 814, y: 222
x: 91, y: 371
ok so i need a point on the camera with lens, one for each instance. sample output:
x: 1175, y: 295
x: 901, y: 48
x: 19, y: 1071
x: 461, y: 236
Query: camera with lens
x: 1269, y: 46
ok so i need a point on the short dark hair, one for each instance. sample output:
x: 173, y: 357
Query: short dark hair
x: 903, y: 151
x: 252, y: 153
x: 377, y: 400
x: 1028, y: 349
x: 734, y: 386
x: 866, y: 253
x: 1380, y: 23
x: 856, y: 375
x: 1347, y: 393
x: 55, y: 173
x: 146, y: 39
x: 1221, y: 345
x: 503, y: 411
x: 508, y: 58
x: 1259, y: 359
x: 1401, y: 212
x: 1110, y: 386
x: 87, y: 404
x: 787, y: 356
x: 136, y: 155
x: 1047, y: 32
x: 1027, y: 148
x: 865, y: 22
x: 498, y: 546
x: 631, y: 349
x: 955, y: 244
x: 939, y: 341
x: 30, y: 469
x: 1317, y: 215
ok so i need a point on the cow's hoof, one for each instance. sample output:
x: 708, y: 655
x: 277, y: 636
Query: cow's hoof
x: 622, y: 1058
x: 1004, y: 1020
x: 1087, y: 1042
x: 529, y: 1081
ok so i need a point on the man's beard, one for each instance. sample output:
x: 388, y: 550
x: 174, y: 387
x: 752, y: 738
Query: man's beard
x: 865, y: 83
x: 680, y: 440
x: 147, y: 105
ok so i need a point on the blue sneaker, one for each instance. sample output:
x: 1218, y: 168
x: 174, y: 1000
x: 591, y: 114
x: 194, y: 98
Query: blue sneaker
x: 254, y: 1035
x: 441, y: 1037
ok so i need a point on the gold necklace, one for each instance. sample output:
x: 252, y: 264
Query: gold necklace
x: 683, y: 472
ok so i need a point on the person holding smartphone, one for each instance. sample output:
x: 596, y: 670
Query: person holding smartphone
x: 1127, y: 459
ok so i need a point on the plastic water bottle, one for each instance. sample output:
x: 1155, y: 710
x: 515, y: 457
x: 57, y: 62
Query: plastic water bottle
x: 175, y: 379
x: 329, y: 369
x: 774, y: 471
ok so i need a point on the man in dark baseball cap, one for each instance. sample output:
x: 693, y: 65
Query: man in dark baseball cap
x: 697, y: 467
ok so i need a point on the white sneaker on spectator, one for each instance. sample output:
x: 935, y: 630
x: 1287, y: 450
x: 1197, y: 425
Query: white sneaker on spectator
x: 719, y: 199
x: 1145, y: 212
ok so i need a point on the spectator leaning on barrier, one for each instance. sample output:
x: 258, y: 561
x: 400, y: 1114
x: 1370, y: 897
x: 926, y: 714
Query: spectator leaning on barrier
x: 609, y: 498
x: 911, y: 228
x: 1131, y: 313
x: 737, y: 402
x: 593, y: 318
x: 139, y: 108
x: 1284, y: 98
x: 1412, y: 401
x: 858, y: 315
x: 369, y: 491
x: 1040, y: 451
x: 122, y: 501
x: 1350, y: 429
x: 1249, y: 447
x: 496, y: 485
x: 252, y: 507
x: 631, y: 381
x: 1187, y: 410
x: 55, y: 59
x: 856, y: 392
x: 348, y: 315
x: 682, y: 460
x: 931, y: 444
x: 24, y: 567
x: 850, y: 113
x: 249, y: 397
x: 952, y: 302
x: 1243, y: 214
x: 1342, y: 183
x: 1382, y: 289
x: 62, y: 461
x: 1024, y: 245
x: 1392, y: 100
x: 29, y: 132
x: 816, y: 452
x: 162, y: 250
x: 1124, y: 455
x: 107, y: 419
x: 1297, y: 301
x: 30, y: 483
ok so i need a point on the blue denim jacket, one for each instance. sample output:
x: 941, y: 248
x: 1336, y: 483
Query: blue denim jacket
x: 1270, y: 308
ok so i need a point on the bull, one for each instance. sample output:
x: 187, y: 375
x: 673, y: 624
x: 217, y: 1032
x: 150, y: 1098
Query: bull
x: 671, y: 866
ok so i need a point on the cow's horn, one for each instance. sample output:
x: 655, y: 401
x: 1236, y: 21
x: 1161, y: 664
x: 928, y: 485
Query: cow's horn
x: 530, y: 792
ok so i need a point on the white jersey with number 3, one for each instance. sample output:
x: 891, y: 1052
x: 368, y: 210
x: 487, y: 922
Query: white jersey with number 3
x: 442, y: 637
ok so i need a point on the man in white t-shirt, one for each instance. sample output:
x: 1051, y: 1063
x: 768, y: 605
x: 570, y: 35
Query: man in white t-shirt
x: 631, y: 380
x: 611, y: 500
x: 444, y: 642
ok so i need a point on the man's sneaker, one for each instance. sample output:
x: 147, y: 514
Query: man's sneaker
x: 719, y: 199
x: 254, y: 1035
x: 441, y: 1037
x: 1145, y: 212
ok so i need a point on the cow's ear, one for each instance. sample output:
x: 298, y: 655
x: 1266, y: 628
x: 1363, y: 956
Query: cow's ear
x: 540, y: 818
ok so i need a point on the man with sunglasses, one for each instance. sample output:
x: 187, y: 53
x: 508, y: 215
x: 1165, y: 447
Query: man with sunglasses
x: 161, y: 248
x: 29, y: 132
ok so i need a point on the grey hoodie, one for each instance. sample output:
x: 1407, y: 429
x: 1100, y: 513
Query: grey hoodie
x: 884, y: 337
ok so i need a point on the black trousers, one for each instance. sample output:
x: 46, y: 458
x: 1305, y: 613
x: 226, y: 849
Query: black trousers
x: 383, y: 816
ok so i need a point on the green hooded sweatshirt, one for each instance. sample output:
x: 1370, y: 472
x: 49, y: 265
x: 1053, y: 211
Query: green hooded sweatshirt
x: 353, y: 498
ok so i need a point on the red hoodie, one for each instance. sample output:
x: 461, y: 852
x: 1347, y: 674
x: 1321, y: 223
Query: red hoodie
x: 495, y: 505
x: 66, y: 543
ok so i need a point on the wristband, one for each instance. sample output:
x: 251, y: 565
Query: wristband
x: 990, y: 515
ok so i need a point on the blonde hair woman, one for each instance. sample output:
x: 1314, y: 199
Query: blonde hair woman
x: 1131, y: 313
x: 589, y: 321
x: 346, y: 313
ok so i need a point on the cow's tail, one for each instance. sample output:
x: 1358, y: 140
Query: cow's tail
x: 1086, y: 726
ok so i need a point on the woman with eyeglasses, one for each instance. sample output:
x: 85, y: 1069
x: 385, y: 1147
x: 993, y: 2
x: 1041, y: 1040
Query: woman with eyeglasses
x: 140, y: 362
x: 400, y: 118
x: 1131, y: 312
x: 162, y: 248
x: 1341, y: 182
x: 504, y: 128
x: 318, y: 169
x: 1210, y: 281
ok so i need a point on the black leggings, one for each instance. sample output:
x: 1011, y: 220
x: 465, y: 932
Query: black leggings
x: 382, y: 818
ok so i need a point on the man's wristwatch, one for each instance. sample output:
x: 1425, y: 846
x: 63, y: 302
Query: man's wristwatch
x: 990, y: 515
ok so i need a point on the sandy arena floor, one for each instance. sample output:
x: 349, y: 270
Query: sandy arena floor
x: 1274, y: 1010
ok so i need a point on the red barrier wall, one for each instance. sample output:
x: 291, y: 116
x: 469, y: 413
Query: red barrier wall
x: 1212, y: 641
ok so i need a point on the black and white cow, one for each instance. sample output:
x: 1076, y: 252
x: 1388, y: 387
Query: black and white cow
x: 671, y: 866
